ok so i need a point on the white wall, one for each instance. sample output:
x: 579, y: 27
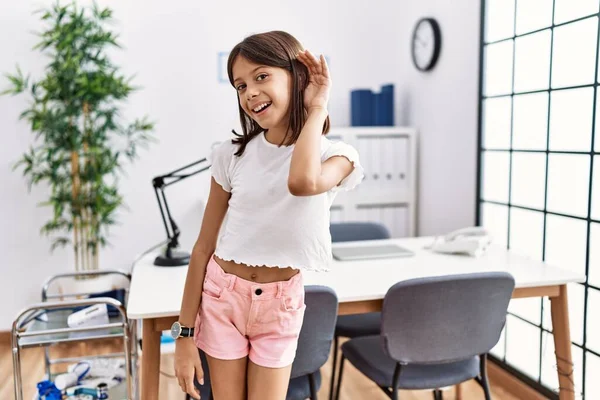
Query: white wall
x: 443, y: 106
x: 173, y: 49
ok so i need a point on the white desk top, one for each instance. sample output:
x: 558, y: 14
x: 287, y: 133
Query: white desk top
x: 157, y: 291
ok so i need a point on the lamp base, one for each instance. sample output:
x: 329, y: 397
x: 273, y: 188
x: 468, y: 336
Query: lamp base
x: 172, y: 259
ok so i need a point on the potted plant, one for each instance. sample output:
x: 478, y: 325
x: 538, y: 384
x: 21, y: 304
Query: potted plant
x: 81, y: 142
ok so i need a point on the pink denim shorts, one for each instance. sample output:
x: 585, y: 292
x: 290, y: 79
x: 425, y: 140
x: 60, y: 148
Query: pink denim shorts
x: 239, y: 318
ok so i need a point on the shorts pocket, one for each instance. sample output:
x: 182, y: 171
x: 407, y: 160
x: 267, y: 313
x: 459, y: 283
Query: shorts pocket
x: 211, y: 289
x: 292, y: 320
x: 292, y: 302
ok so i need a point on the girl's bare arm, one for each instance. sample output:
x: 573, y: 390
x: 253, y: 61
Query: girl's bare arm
x: 205, y: 245
x: 308, y: 175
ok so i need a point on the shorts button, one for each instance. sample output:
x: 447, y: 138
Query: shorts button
x: 258, y: 292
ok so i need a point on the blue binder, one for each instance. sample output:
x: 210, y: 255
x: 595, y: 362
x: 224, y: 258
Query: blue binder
x: 372, y: 109
x: 362, y: 107
x: 384, y: 106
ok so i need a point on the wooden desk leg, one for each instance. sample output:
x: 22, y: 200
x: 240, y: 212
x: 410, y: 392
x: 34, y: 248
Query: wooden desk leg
x: 562, y: 344
x: 150, y: 360
x: 458, y: 392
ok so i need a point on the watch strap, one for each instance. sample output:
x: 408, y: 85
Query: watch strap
x: 186, y: 332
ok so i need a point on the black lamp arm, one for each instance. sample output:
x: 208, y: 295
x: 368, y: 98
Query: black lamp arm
x: 160, y: 183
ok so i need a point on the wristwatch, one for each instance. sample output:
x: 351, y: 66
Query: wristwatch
x: 180, y: 331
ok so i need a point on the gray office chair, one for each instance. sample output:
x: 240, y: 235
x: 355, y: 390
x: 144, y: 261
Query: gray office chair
x: 205, y: 390
x: 314, y: 342
x: 435, y: 332
x: 352, y: 231
x: 314, y: 345
x: 352, y: 326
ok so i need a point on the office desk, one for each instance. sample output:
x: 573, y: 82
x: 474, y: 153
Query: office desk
x: 156, y: 293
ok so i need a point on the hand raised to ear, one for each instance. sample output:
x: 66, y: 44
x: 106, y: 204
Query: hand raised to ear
x: 316, y: 94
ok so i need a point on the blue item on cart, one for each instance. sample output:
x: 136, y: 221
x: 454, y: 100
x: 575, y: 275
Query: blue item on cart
x: 48, y: 391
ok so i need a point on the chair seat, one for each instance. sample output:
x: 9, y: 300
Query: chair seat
x: 367, y: 355
x: 299, y: 388
x: 357, y: 325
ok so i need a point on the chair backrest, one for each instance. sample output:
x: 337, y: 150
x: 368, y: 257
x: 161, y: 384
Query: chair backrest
x: 316, y: 335
x: 351, y: 231
x: 447, y: 318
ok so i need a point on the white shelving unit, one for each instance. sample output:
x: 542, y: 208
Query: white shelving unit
x: 388, y: 194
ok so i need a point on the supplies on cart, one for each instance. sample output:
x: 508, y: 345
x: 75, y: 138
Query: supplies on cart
x: 46, y: 390
x: 89, y: 316
x: 100, y: 368
x: 86, y: 378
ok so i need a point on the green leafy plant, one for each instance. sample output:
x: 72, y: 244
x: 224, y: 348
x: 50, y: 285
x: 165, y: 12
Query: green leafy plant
x: 80, y: 142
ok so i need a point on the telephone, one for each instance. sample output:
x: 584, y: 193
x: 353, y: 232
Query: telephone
x: 472, y: 241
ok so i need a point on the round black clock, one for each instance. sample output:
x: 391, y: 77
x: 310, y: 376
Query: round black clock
x: 426, y: 44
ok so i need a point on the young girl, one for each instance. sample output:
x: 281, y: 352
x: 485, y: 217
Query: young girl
x: 271, y: 190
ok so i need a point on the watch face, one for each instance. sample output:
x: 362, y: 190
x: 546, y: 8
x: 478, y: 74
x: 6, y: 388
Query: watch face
x: 425, y: 44
x: 175, y: 330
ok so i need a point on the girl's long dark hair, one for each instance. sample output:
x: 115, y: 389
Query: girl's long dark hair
x: 274, y: 49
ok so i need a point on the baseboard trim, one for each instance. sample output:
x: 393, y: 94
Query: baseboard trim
x: 500, y: 377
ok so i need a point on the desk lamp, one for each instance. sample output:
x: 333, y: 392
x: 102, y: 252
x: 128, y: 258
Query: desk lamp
x: 172, y: 257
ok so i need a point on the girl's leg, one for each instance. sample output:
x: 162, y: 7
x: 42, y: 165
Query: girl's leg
x: 267, y: 383
x: 228, y: 378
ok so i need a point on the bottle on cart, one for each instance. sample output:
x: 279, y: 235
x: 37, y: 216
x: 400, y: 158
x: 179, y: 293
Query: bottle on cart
x: 102, y: 391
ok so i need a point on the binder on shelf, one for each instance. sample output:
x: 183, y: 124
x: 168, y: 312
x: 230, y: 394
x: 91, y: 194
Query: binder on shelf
x: 362, y: 104
x: 374, y: 214
x: 389, y: 156
x: 377, y: 155
x: 336, y: 215
x: 401, y: 221
x: 362, y: 214
x: 384, y: 106
x: 401, y: 177
x: 387, y: 216
x: 384, y: 151
x: 362, y: 146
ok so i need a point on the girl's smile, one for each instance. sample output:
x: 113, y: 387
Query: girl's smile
x: 261, y: 109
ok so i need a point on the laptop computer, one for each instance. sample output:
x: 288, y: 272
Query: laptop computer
x: 362, y: 252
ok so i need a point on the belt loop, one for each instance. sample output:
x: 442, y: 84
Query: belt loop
x: 279, y: 289
x: 231, y: 282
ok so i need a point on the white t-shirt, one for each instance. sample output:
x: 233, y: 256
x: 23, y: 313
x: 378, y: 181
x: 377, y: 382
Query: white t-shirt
x: 265, y: 224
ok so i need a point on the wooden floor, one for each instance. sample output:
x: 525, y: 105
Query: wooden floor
x: 355, y: 385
